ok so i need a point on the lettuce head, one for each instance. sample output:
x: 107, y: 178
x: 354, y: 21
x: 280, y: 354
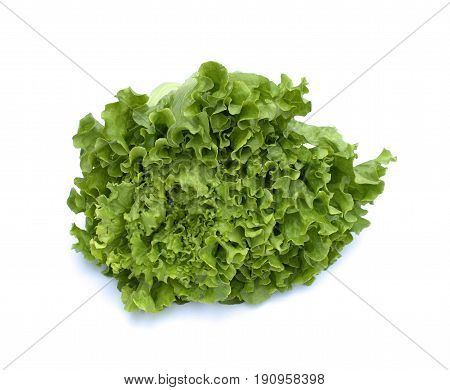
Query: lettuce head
x: 212, y: 191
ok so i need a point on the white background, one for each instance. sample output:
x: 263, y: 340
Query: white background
x: 400, y: 265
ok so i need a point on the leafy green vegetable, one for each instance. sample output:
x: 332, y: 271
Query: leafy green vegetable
x: 211, y: 191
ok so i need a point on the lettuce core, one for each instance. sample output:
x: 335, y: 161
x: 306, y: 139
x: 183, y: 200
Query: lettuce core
x: 211, y: 191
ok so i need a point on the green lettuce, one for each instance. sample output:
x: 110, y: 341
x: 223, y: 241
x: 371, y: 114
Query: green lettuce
x: 211, y: 191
